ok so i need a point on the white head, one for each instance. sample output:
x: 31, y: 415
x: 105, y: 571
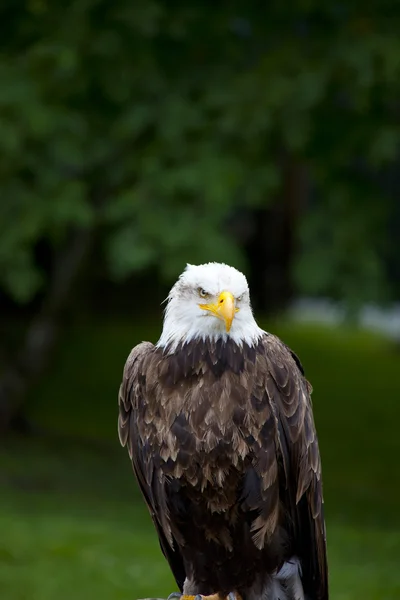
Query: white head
x: 209, y: 301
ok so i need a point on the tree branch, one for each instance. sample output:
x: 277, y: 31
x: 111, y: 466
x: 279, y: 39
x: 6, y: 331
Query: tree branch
x: 41, y: 335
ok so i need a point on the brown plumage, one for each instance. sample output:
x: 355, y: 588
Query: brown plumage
x: 223, y: 444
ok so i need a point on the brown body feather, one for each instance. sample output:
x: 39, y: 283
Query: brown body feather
x: 223, y: 444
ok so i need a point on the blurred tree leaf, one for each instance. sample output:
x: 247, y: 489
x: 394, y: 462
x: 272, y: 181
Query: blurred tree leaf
x: 155, y: 123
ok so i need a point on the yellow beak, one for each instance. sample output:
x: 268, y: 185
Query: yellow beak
x: 223, y: 309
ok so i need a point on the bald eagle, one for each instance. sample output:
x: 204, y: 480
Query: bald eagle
x: 218, y: 422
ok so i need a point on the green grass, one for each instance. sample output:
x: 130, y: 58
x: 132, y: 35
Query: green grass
x: 73, y: 525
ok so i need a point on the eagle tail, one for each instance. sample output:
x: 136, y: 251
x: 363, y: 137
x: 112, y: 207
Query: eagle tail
x: 288, y: 580
x: 284, y: 585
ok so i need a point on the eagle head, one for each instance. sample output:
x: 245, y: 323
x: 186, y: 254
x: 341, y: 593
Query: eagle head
x: 209, y: 301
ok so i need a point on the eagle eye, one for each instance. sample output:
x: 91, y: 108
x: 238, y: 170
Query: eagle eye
x: 203, y: 293
x: 239, y: 298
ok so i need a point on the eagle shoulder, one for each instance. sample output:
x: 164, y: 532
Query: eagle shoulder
x: 128, y: 390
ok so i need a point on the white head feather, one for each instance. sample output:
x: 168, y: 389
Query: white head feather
x: 184, y: 319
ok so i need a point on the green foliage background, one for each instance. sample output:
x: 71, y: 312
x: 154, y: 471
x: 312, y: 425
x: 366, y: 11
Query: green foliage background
x: 152, y: 122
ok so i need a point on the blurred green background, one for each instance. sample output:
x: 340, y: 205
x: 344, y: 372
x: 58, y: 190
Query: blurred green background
x: 136, y: 137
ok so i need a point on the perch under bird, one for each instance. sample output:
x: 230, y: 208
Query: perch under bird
x: 218, y: 422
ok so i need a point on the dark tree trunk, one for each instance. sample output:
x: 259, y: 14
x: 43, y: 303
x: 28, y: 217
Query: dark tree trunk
x: 41, y: 335
x: 273, y: 245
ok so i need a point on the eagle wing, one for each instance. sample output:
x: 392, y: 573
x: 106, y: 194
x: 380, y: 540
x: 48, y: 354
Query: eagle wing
x: 284, y: 445
x: 130, y: 403
x: 298, y: 454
